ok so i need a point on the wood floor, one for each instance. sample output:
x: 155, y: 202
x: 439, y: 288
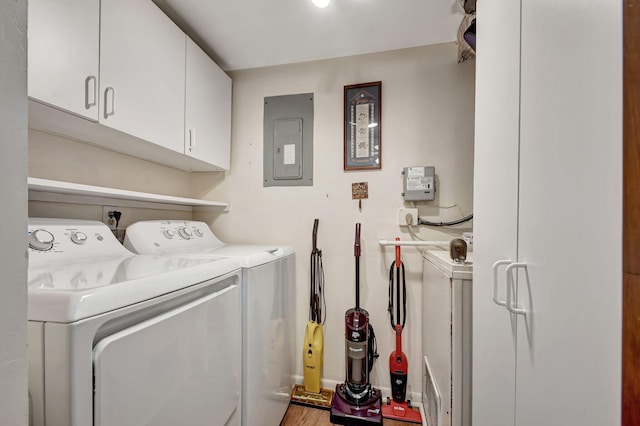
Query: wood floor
x: 298, y: 415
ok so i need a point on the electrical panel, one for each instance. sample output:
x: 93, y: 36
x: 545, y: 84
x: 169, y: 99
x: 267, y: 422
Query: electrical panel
x: 288, y: 140
x: 419, y: 183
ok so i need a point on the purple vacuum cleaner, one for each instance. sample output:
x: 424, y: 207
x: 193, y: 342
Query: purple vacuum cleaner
x: 355, y: 401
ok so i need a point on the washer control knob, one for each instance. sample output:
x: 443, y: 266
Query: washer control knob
x: 41, y: 240
x: 168, y: 234
x: 79, y: 237
x: 185, y: 233
x: 199, y: 232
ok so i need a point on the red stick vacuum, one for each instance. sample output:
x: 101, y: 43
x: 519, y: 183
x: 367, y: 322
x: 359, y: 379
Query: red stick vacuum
x: 398, y: 408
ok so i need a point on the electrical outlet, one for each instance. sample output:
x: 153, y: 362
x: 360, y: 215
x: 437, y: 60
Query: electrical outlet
x: 107, y: 216
x: 402, y: 216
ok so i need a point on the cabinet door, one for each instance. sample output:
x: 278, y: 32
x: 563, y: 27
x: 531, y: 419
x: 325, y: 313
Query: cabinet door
x: 569, y: 349
x: 208, y: 109
x: 495, y: 209
x: 142, y: 57
x: 63, y: 54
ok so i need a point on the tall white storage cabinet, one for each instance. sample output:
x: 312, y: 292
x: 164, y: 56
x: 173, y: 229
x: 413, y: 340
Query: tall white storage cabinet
x: 495, y: 206
x: 446, y: 339
x: 548, y: 203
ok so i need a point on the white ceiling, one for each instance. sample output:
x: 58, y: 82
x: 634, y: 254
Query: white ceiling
x: 240, y: 34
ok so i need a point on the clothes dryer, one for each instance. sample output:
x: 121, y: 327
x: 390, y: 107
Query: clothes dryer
x: 268, y: 308
x: 128, y: 340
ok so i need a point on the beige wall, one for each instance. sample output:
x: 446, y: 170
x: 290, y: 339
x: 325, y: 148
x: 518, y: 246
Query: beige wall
x: 427, y: 119
x: 58, y: 158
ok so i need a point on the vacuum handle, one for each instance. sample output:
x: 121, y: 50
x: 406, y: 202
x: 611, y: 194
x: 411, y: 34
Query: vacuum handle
x: 398, y: 260
x: 356, y: 252
x: 315, y: 234
x: 398, y: 338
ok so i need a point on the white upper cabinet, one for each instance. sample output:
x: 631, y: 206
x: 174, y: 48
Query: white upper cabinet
x: 64, y: 41
x: 142, y: 72
x: 208, y: 109
x: 117, y: 74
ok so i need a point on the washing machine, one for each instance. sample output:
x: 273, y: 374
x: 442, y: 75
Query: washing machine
x: 268, y: 308
x: 446, y: 339
x: 117, y: 339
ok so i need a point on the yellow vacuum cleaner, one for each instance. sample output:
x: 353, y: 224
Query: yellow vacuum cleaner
x: 311, y: 393
x: 312, y: 354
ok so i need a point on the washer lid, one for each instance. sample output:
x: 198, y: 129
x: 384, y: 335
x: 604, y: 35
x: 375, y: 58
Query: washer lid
x: 195, y: 239
x: 442, y: 260
x: 247, y: 256
x: 67, y: 292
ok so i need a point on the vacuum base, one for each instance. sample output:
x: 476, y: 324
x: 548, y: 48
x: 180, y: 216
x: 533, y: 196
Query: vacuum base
x: 343, y: 412
x: 321, y: 400
x: 401, y: 411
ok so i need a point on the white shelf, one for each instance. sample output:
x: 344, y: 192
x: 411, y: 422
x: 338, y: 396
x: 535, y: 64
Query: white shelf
x: 68, y: 192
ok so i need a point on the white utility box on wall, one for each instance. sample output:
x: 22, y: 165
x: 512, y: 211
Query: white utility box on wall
x: 419, y: 183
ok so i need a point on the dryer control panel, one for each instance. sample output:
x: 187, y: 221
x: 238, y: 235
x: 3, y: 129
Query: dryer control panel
x: 61, y: 239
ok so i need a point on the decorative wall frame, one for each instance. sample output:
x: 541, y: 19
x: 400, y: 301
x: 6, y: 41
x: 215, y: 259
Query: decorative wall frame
x: 362, y: 126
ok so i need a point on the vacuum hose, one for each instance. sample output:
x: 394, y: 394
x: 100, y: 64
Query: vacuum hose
x: 372, y: 352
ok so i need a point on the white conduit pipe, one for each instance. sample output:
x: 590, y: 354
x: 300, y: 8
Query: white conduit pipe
x: 414, y: 243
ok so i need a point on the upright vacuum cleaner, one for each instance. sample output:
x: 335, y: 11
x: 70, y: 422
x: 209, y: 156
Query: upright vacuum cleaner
x: 356, y: 402
x: 312, y: 394
x: 398, y: 408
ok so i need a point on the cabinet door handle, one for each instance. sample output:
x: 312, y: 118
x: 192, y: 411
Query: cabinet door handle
x: 192, y: 139
x: 107, y: 113
x: 90, y: 93
x: 495, y: 281
x: 511, y: 305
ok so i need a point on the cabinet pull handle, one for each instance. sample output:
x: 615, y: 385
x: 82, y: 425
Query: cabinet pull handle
x: 90, y: 93
x: 192, y: 139
x: 495, y: 281
x: 106, y: 102
x: 511, y: 289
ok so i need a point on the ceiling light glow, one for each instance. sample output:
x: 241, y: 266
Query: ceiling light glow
x: 321, y: 3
